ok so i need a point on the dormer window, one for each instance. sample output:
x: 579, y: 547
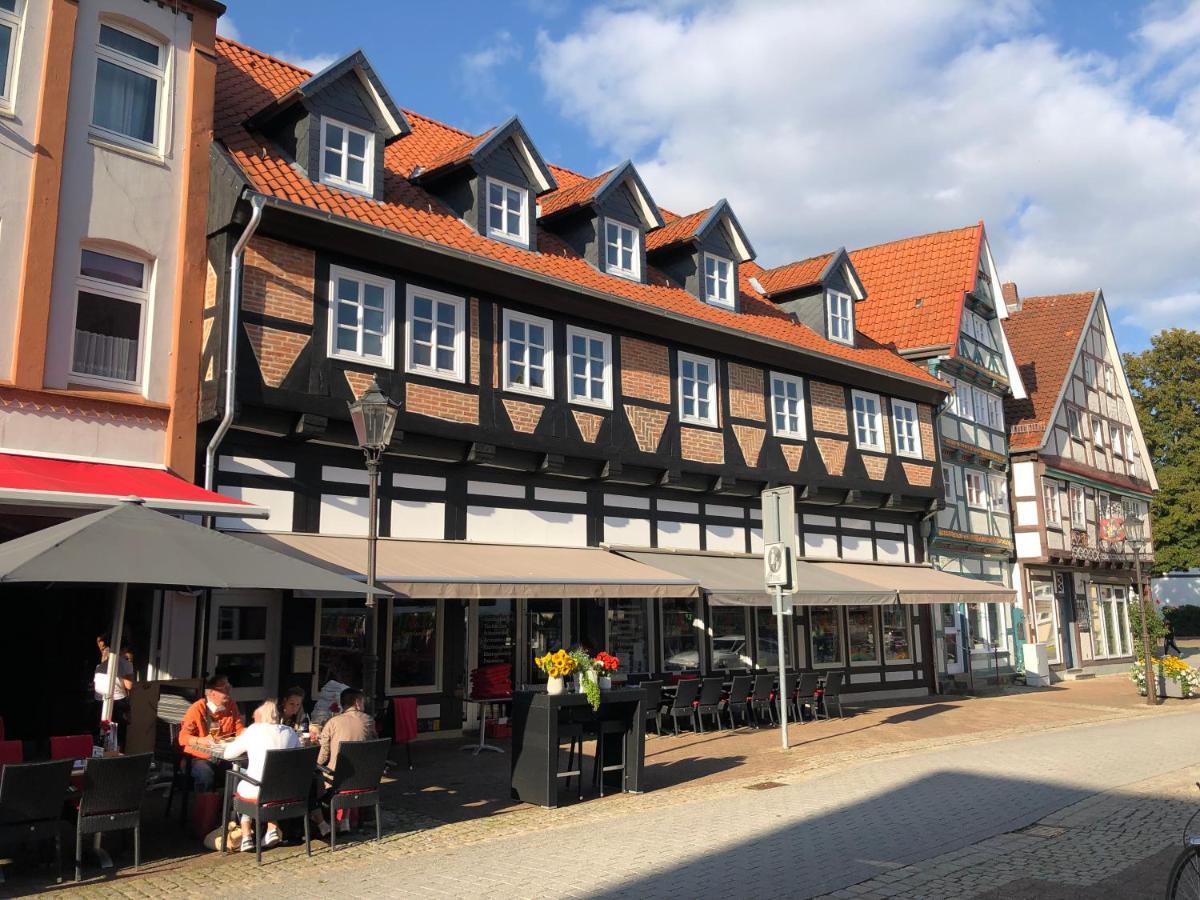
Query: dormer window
x: 840, y: 315
x: 621, y: 252
x: 347, y: 157
x: 507, y: 212
x: 718, y: 281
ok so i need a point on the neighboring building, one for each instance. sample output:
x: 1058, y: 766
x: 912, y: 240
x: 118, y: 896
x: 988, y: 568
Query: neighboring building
x: 1077, y: 450
x: 1177, y: 588
x: 936, y: 299
x: 575, y: 368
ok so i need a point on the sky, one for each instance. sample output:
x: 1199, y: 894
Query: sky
x: 1071, y: 129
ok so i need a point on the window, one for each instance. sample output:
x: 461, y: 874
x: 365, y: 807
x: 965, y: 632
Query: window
x: 130, y: 70
x: 908, y: 435
x: 528, y: 354
x: 730, y: 650
x: 718, y: 281
x: 697, y: 389
x: 1078, y: 508
x: 414, y: 649
x: 347, y: 157
x: 897, y: 640
x: 826, y: 636
x: 1118, y: 447
x: 1045, y: 616
x: 507, y: 212
x: 989, y: 410
x: 860, y: 632
x: 435, y: 325
x: 680, y: 636
x: 589, y: 380
x: 622, y: 256
x: 1074, y: 425
x: 1052, y: 504
x: 360, y: 316
x: 1089, y: 372
x: 998, y: 493
x: 10, y: 29
x: 840, y: 311
x: 985, y: 622
x: 1098, y: 432
x: 867, y: 429
x: 1109, y: 380
x: 787, y: 405
x: 1133, y: 452
x: 976, y: 489
x: 110, y: 314
x: 948, y: 484
x: 979, y: 328
x: 963, y: 394
x: 1110, y: 621
x: 766, y: 639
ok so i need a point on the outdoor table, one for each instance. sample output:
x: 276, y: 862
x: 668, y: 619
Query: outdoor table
x: 535, y: 743
x: 484, y: 703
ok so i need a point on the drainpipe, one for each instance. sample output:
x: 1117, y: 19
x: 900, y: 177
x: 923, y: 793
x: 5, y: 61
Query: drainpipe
x: 235, y: 294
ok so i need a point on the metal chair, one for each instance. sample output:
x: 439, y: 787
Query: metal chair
x: 355, y: 781
x: 709, y: 701
x: 113, y: 788
x: 653, y: 703
x: 806, y: 692
x: 739, y: 700
x: 833, y: 693
x: 609, y: 728
x: 31, y: 803
x: 681, y: 707
x: 283, y: 792
x: 760, y: 697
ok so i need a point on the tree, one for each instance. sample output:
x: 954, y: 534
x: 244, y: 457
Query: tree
x: 1165, y: 381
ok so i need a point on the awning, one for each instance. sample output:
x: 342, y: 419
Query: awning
x: 463, y: 570
x: 920, y: 584
x: 49, y: 481
x: 737, y: 579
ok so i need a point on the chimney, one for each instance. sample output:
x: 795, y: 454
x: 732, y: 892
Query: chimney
x: 1011, y: 298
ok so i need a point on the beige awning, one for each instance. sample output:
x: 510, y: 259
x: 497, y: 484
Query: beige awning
x: 464, y: 570
x: 736, y: 579
x: 920, y: 584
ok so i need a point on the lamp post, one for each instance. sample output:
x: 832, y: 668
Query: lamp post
x: 1135, y: 537
x: 374, y: 418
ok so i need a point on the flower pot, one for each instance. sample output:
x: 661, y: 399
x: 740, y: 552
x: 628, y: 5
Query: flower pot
x: 578, y: 682
x: 1171, y: 688
x: 605, y: 683
x: 554, y: 685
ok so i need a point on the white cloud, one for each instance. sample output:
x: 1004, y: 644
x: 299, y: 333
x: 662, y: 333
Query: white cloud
x: 859, y: 122
x: 227, y: 28
x: 482, y: 72
x: 313, y: 63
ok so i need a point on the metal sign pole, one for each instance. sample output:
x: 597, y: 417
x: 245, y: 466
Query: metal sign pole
x: 783, y: 720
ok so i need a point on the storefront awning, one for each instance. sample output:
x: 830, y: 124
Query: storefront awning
x: 463, y: 570
x: 920, y: 584
x: 737, y: 579
x: 49, y: 481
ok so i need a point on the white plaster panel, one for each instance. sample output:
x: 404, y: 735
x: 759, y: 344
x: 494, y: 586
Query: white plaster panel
x: 418, y: 519
x: 278, y: 502
x: 857, y: 548
x: 823, y: 521
x: 1024, y: 479
x: 820, y: 546
x: 343, y: 515
x: 679, y: 506
x: 248, y: 465
x: 552, y: 495
x: 1029, y: 545
x: 889, y: 550
x: 726, y: 512
x: 725, y: 537
x: 679, y: 535
x: 890, y: 527
x: 496, y: 489
x: 626, y: 501
x: 756, y: 540
x: 625, y: 531
x: 856, y: 524
x: 419, y: 482
x: 344, y: 475
x: 1027, y: 512
x: 526, y: 526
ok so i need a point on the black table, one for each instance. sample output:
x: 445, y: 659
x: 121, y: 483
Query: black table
x: 535, y: 749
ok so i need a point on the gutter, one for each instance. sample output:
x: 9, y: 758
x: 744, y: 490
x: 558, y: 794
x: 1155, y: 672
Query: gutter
x: 463, y: 256
x: 235, y: 293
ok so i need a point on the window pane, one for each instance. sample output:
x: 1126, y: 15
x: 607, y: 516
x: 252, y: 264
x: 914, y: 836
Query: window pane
x: 373, y: 320
x: 681, y: 649
x: 422, y: 332
x: 514, y: 201
x: 861, y: 632
x: 106, y: 337
x: 347, y: 289
x: 347, y: 314
x: 5, y: 51
x: 347, y: 339
x: 495, y: 195
x: 333, y: 137
x: 356, y: 143
x: 414, y: 644
x: 373, y: 296
x: 445, y: 360
x: 495, y: 218
x: 628, y: 634
x: 10, y: 5
x: 516, y: 373
x: 125, y: 101
x: 355, y: 171
x: 128, y: 44
x: 422, y: 308
x: 372, y: 344
x: 422, y: 355
x: 445, y: 336
x: 333, y: 163
x: 446, y: 313
x: 578, y: 386
x: 514, y: 222
x: 826, y: 635
x: 242, y: 623
x: 766, y: 638
x: 895, y: 634
x: 112, y: 268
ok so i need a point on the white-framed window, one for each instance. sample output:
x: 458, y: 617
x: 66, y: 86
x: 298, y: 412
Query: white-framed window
x: 1089, y: 372
x: 697, y: 389
x: 1133, y: 453
x: 989, y: 409
x: 622, y: 253
x: 361, y: 313
x: 839, y: 313
x: 986, y: 624
x: 507, y: 212
x: 976, y: 486
x: 589, y: 372
x: 948, y: 484
x: 1110, y: 620
x: 414, y: 660
x: 904, y: 424
x: 1052, y: 504
x: 130, y: 74
x: 868, y: 429
x: 347, y: 157
x: 1074, y: 423
x: 110, y: 318
x: 528, y: 354
x: 10, y: 37
x: 897, y: 634
x: 964, y: 400
x: 435, y: 327
x: 1078, y: 508
x: 998, y: 494
x: 787, y: 405
x: 862, y: 635
x: 978, y: 328
x: 1110, y: 379
x: 1098, y: 432
x: 1118, y: 446
x: 718, y: 281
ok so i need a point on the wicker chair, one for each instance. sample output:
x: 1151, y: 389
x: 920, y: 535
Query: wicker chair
x: 113, y: 788
x: 739, y: 700
x: 709, y: 701
x: 31, y: 803
x: 683, y: 704
x: 355, y: 781
x: 283, y: 793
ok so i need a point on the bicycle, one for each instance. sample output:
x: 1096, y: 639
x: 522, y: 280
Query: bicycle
x: 1184, y: 880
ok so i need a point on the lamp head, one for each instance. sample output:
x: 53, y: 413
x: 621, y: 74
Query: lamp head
x: 374, y: 418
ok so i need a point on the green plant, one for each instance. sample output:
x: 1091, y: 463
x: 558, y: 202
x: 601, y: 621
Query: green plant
x: 1155, y: 625
x: 587, y: 676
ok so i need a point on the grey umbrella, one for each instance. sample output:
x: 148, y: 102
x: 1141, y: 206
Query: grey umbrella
x: 130, y: 544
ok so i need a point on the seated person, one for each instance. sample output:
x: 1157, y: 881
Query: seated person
x: 213, y: 717
x: 351, y: 724
x: 291, y: 710
x: 267, y: 733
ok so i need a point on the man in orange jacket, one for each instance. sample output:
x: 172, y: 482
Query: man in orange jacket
x: 212, y: 718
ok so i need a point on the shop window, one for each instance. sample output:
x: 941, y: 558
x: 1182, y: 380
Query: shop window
x: 242, y: 623
x: 986, y: 622
x: 680, y: 637
x: 341, y: 642
x: 110, y: 315
x: 629, y: 634
x: 130, y: 72
x: 826, y: 636
x: 766, y: 639
x: 1112, y: 611
x: 496, y: 633
x: 544, y: 626
x: 360, y: 316
x: 861, y: 635
x: 897, y: 634
x: 414, y: 653
x: 244, y: 670
x: 730, y: 648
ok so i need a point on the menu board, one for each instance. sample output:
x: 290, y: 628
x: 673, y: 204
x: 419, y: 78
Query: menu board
x: 496, y: 635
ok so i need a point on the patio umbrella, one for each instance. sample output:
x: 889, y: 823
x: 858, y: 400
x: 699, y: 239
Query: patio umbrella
x: 130, y: 544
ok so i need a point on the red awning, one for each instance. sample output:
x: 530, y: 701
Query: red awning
x: 46, y: 481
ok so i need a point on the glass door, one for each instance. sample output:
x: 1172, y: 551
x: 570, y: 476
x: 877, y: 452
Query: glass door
x: 244, y: 643
x: 545, y: 627
x: 952, y: 647
x: 341, y: 643
x: 491, y: 644
x: 1045, y: 616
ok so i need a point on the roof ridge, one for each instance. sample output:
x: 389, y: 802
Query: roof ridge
x: 1063, y: 295
x: 914, y: 237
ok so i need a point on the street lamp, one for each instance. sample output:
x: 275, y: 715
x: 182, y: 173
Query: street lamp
x: 374, y: 417
x: 1135, y: 537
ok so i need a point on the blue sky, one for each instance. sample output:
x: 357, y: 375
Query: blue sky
x: 1072, y: 129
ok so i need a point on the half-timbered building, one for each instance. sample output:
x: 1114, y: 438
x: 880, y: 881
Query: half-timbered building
x: 577, y: 370
x: 1078, y: 458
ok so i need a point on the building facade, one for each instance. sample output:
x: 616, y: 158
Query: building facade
x: 1078, y: 459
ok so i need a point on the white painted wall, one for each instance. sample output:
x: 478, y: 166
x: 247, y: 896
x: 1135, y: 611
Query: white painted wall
x: 134, y: 440
x: 526, y: 526
x: 1029, y: 545
x: 1024, y: 479
x: 626, y: 531
x: 280, y: 503
x: 418, y: 519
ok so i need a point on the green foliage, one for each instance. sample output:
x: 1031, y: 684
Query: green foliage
x: 1185, y: 620
x: 1155, y: 625
x: 1165, y: 382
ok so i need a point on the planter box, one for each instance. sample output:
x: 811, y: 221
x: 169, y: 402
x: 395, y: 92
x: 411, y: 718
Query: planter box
x: 1170, y: 688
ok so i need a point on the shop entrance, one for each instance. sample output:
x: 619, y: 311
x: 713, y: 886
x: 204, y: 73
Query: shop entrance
x: 244, y: 643
x: 952, y: 638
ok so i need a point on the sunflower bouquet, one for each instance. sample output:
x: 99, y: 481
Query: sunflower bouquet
x: 558, y: 664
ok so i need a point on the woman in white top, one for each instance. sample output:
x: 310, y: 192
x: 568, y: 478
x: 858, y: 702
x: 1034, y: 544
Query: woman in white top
x: 265, y: 734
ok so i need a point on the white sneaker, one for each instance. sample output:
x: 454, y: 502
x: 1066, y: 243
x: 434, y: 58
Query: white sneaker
x: 272, y: 839
x: 323, y: 828
x: 248, y: 844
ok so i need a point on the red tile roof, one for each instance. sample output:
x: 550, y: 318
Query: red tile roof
x: 576, y: 195
x: 794, y: 276
x: 248, y: 79
x: 935, y: 269
x: 456, y: 155
x: 1043, y: 336
x: 677, y: 229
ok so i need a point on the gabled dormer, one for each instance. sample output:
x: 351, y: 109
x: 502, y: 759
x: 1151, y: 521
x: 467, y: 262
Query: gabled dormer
x: 605, y: 220
x: 701, y: 252
x: 820, y: 292
x: 492, y: 181
x: 335, y: 126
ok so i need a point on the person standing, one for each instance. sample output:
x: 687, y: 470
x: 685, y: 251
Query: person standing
x: 211, y: 718
x: 121, y: 689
